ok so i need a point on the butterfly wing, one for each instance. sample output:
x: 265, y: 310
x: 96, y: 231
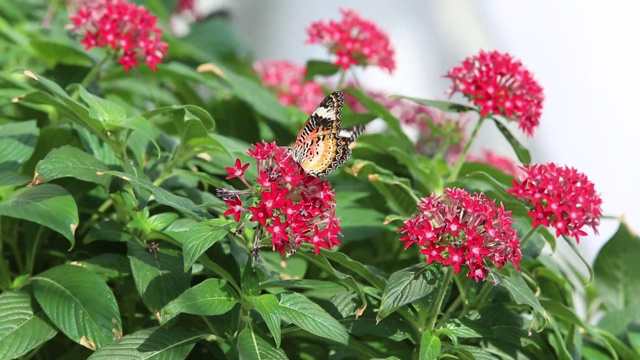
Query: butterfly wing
x: 322, y: 145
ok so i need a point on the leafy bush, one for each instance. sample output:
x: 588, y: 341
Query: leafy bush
x: 138, y: 220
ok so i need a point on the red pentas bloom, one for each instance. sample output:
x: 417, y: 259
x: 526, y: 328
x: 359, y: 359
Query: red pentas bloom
x: 288, y: 204
x: 560, y: 197
x: 355, y: 41
x: 498, y: 84
x: 286, y: 79
x: 462, y: 229
x: 128, y: 29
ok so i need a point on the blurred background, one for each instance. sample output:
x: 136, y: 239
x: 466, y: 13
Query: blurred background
x: 583, y: 53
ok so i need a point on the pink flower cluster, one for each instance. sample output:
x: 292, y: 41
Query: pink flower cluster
x: 462, y: 229
x: 126, y: 28
x: 560, y: 197
x: 500, y: 85
x: 452, y: 126
x: 290, y: 205
x: 286, y: 79
x: 355, y: 41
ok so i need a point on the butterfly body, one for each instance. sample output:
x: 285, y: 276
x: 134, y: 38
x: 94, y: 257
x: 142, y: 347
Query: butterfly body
x: 322, y: 144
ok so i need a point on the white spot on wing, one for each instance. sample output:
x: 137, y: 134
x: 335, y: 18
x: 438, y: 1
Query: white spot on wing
x: 325, y: 112
x: 345, y: 133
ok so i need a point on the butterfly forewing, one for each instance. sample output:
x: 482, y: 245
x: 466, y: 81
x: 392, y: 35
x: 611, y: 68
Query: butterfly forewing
x: 322, y: 145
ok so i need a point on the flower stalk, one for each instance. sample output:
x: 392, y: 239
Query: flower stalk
x: 463, y: 155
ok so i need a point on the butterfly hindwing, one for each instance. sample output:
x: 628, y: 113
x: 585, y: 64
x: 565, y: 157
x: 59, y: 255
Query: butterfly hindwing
x: 322, y: 145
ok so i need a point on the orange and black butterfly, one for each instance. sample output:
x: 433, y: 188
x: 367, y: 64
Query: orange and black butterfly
x: 322, y: 144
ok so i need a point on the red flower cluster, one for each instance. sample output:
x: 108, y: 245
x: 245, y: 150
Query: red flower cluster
x: 128, y: 29
x: 186, y: 6
x: 355, y: 41
x: 292, y: 206
x: 500, y: 162
x: 448, y: 142
x: 560, y: 197
x: 287, y: 80
x: 500, y: 85
x: 462, y: 229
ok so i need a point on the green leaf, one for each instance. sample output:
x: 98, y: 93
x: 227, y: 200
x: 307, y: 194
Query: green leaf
x: 297, y: 309
x: 616, y: 267
x: 406, y: 286
x: 442, y: 105
x: 476, y: 353
x: 396, y: 191
x: 13, y: 178
x: 429, y: 346
x: 48, y: 205
x: 210, y: 297
x: 57, y: 97
x: 162, y: 196
x: 249, y: 91
x: 352, y: 119
x: 521, y: 152
x: 198, y: 112
x: 496, y: 178
x: 69, y: 161
x: 22, y: 328
x: 346, y: 280
x: 17, y: 143
x: 253, y: 347
x: 159, y: 222
x: 56, y: 52
x: 80, y: 304
x: 159, y: 279
x: 634, y: 340
x: 420, y: 173
x: 620, y: 348
x: 150, y: 344
x: 572, y: 245
x: 521, y: 293
x: 200, y: 44
x: 195, y: 139
x: 107, y: 230
x: 358, y: 222
x: 379, y: 110
x: 107, y: 266
x: 357, y: 267
x: 267, y: 306
x: 106, y: 112
x: 460, y: 329
x: 321, y: 68
x: 201, y: 237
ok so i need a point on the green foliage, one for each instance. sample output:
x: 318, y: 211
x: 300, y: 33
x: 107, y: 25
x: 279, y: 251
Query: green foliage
x: 113, y: 244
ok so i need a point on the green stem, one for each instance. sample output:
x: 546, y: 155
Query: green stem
x: 5, y: 274
x: 94, y: 218
x: 439, y: 299
x: 343, y: 75
x: 13, y: 244
x: 355, y: 79
x: 447, y: 315
x: 91, y: 75
x: 34, y: 250
x: 214, y: 333
x: 442, y: 149
x: 484, y: 292
x: 463, y: 155
x: 222, y: 272
x: 528, y: 236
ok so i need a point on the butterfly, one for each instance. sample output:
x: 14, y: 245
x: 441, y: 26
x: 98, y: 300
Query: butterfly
x: 322, y: 144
